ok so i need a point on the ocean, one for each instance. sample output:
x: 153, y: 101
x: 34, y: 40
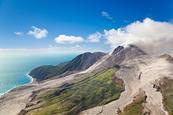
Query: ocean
x: 15, y: 66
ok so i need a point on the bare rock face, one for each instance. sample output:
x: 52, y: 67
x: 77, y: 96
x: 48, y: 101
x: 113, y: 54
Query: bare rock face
x: 121, y: 54
x: 167, y: 57
x: 130, y: 52
x: 117, y: 50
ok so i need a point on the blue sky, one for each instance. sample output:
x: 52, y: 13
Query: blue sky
x: 20, y: 20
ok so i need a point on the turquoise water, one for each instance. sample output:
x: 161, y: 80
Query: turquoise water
x: 14, y: 67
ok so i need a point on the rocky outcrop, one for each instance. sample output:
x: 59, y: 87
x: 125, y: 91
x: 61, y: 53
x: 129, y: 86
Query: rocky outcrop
x: 121, y: 54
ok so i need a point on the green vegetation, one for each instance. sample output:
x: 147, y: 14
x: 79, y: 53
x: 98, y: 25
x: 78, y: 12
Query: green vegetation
x: 167, y: 92
x: 70, y: 99
x: 81, y: 62
x: 47, y: 71
x: 136, y: 107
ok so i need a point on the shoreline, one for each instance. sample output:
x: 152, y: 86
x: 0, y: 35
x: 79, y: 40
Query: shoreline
x: 16, y: 100
x: 31, y: 82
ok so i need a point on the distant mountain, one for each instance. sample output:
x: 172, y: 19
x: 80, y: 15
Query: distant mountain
x: 79, y: 63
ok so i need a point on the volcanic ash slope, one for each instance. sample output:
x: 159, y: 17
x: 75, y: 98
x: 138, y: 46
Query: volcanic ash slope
x: 140, y: 72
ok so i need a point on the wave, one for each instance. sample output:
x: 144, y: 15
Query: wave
x: 17, y: 86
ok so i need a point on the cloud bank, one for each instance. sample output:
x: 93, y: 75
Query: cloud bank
x: 65, y: 39
x: 152, y: 36
x: 38, y: 33
x: 95, y: 37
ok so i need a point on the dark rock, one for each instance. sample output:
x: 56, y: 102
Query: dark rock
x: 167, y: 57
x: 121, y: 54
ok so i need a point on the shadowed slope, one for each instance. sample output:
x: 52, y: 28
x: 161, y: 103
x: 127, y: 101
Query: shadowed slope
x: 79, y: 63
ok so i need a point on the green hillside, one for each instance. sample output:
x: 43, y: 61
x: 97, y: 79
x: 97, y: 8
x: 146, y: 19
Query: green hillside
x: 71, y: 98
x: 79, y: 63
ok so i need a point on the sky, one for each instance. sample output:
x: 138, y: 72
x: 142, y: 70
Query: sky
x: 73, y: 24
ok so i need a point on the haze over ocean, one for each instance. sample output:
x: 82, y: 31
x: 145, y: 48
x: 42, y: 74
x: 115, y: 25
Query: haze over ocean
x: 15, y: 66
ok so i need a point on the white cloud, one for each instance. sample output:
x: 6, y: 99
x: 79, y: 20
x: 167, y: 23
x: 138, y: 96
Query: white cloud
x: 107, y: 16
x: 62, y: 39
x: 72, y: 48
x: 151, y: 36
x: 38, y: 33
x: 78, y: 46
x: 18, y: 33
x: 95, y: 38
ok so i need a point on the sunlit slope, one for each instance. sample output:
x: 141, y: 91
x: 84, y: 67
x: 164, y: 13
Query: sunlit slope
x: 70, y: 99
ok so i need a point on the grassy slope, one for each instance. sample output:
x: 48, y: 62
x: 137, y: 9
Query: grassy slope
x: 167, y: 92
x: 136, y: 107
x: 79, y: 63
x: 90, y: 91
x: 48, y: 71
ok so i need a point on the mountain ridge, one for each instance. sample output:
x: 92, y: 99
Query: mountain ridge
x: 121, y: 54
x: 85, y: 60
x: 126, y: 82
x: 79, y: 63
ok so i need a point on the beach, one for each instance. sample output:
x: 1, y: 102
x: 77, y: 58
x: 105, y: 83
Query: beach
x: 15, y: 67
x: 15, y: 100
x: 17, y: 85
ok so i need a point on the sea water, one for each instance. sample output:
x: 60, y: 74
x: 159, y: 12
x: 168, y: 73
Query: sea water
x: 15, y: 66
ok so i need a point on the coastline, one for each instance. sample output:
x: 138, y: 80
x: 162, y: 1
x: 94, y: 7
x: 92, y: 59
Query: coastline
x: 16, y: 99
x: 32, y: 80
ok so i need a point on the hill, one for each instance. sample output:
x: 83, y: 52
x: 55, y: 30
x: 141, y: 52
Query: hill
x: 79, y: 63
x: 92, y: 89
